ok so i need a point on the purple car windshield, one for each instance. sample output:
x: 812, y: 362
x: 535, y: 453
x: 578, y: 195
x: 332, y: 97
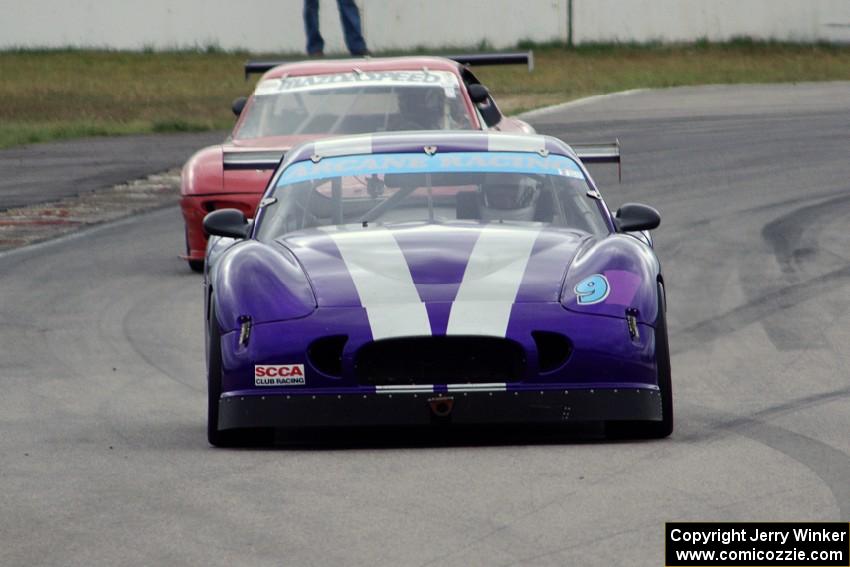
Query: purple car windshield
x: 385, y: 189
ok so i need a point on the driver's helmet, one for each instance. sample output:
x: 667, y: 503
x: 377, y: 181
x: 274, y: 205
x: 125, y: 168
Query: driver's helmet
x: 508, y: 197
x: 422, y: 106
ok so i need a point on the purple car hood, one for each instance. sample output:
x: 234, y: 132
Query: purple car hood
x: 420, y: 279
x: 482, y: 265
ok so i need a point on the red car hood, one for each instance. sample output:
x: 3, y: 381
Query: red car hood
x: 242, y: 178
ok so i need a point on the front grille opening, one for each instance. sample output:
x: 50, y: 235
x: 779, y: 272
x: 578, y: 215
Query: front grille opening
x: 440, y: 360
x: 325, y: 354
x: 553, y: 350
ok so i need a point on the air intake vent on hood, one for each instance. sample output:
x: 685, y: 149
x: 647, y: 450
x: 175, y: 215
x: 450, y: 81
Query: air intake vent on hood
x: 260, y: 159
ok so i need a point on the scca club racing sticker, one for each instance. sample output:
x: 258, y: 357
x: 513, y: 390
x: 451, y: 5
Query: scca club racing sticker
x: 593, y: 289
x: 279, y: 375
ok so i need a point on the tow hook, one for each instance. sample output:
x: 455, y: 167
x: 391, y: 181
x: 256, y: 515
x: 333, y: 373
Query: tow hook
x: 442, y: 406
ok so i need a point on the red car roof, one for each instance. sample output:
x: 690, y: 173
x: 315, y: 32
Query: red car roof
x: 327, y: 66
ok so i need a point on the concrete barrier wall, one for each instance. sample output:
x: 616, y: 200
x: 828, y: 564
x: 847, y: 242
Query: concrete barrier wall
x: 718, y: 20
x: 276, y: 25
x: 435, y: 23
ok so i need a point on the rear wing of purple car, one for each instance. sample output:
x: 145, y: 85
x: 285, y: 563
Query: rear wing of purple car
x: 514, y: 58
x: 600, y: 153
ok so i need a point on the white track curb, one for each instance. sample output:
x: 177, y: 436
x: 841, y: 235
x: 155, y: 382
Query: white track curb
x: 539, y: 112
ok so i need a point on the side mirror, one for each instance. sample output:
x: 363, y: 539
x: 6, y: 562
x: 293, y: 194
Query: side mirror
x: 238, y: 105
x: 229, y: 223
x: 633, y: 217
x: 477, y: 93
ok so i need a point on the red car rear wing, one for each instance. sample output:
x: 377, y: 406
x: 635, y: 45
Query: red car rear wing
x: 515, y: 58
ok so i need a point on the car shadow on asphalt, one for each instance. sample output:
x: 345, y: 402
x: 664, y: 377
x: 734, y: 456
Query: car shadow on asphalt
x: 435, y: 437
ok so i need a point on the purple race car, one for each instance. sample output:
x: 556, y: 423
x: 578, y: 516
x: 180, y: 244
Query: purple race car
x: 451, y: 277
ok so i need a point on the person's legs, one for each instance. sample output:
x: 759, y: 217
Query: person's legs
x: 350, y: 16
x: 315, y: 43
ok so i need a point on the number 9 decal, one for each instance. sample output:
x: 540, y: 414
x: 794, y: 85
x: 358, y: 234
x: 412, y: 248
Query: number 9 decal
x: 592, y: 290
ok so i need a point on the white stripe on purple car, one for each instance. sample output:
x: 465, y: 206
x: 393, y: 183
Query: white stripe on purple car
x: 355, y: 145
x: 487, y: 387
x: 383, y: 281
x: 495, y: 271
x: 405, y: 389
x: 511, y: 143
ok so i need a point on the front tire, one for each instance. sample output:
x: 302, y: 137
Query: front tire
x: 229, y: 437
x: 194, y: 265
x: 653, y: 429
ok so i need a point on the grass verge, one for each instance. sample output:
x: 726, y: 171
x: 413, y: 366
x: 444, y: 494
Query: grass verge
x: 60, y: 94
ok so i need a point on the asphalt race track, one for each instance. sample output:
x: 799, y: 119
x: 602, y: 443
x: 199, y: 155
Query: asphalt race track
x: 103, y: 456
x: 41, y: 173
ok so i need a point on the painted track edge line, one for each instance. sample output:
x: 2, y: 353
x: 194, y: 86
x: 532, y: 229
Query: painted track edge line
x: 538, y: 112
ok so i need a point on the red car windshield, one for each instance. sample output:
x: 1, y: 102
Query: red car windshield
x: 356, y: 103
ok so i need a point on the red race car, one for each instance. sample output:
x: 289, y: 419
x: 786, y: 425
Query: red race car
x: 303, y: 101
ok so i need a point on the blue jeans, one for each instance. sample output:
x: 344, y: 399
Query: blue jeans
x: 350, y: 16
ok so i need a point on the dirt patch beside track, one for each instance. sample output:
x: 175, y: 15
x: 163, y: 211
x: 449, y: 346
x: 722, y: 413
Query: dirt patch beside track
x: 21, y: 226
